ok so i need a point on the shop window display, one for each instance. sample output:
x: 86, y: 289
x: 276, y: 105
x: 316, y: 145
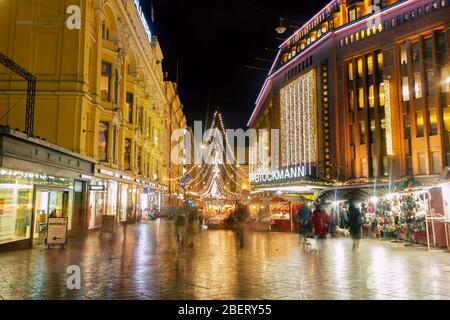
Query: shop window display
x: 15, y: 212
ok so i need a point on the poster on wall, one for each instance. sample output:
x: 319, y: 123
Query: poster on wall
x: 56, y: 231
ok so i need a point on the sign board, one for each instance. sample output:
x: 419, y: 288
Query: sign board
x: 108, y: 224
x: 97, y: 187
x: 56, y: 231
x: 281, y: 175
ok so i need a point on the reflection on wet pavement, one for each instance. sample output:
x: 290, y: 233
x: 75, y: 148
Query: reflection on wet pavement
x: 151, y: 264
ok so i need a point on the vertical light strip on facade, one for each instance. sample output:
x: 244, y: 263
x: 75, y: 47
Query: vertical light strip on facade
x: 298, y: 132
x: 387, y: 106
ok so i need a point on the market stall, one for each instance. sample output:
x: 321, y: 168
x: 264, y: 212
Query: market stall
x: 280, y: 211
x: 219, y: 214
x: 259, y: 215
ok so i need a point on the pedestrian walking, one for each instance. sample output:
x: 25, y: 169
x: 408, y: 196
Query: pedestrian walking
x: 180, y: 223
x: 343, y: 217
x: 355, y: 221
x: 304, y: 219
x: 320, y: 221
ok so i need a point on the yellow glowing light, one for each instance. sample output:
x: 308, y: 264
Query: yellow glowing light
x: 387, y: 106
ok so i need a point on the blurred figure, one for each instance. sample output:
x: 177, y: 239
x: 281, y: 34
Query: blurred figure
x: 180, y: 222
x: 343, y: 217
x: 334, y: 218
x: 320, y: 221
x: 304, y: 220
x: 355, y: 222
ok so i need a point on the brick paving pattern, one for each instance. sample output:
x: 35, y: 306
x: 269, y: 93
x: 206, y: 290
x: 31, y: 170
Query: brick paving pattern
x: 149, y: 264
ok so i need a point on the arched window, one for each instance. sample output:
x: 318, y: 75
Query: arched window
x: 105, y: 31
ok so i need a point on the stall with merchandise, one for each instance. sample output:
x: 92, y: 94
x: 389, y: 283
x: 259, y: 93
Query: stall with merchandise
x: 259, y: 215
x: 219, y: 214
x: 280, y: 211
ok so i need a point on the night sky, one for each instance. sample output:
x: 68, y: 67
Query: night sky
x: 214, y: 41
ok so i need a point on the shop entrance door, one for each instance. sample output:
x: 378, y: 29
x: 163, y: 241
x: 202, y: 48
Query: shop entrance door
x: 53, y: 203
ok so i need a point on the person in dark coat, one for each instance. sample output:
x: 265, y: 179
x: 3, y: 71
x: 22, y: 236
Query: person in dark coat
x: 304, y: 219
x: 355, y: 223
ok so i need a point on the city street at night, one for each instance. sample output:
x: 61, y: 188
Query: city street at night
x: 150, y: 264
x: 218, y: 152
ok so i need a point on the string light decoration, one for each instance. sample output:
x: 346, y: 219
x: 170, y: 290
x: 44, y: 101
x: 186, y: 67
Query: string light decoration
x: 326, y: 120
x: 229, y: 147
x: 215, y: 187
x: 298, y: 134
x: 387, y: 108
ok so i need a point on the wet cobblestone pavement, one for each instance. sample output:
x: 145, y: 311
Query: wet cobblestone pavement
x: 149, y: 264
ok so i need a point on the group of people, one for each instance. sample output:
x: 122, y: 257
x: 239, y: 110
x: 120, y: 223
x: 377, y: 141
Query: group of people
x: 316, y: 221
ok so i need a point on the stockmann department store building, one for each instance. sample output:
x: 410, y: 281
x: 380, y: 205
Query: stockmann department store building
x: 39, y: 180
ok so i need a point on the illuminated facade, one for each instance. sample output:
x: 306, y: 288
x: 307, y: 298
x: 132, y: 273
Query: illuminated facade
x: 381, y: 90
x: 100, y: 93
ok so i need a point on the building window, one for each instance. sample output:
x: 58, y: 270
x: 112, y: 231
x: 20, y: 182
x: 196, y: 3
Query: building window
x: 381, y: 94
x: 380, y: 60
x: 446, y: 119
x: 362, y: 133
x: 352, y: 15
x: 385, y: 166
x: 374, y: 167
x: 352, y: 135
x: 105, y: 81
x: 393, y: 22
x: 361, y: 98
x: 350, y: 71
x: 403, y: 54
x: 360, y: 68
x: 430, y: 82
x: 16, y: 209
x: 433, y: 123
x: 103, y: 142
x: 419, y: 124
x: 417, y: 85
x: 422, y: 163
x: 413, y: 14
x: 445, y: 80
x: 365, y: 169
x: 441, y: 47
x: 371, y: 97
x: 141, y: 120
x: 427, y: 8
x: 428, y: 48
x: 127, y: 155
x: 405, y: 89
x: 436, y: 166
x: 115, y: 150
x: 105, y: 31
x: 351, y: 100
x: 369, y: 65
x: 130, y: 105
x: 372, y: 131
x: 416, y: 52
x: 139, y: 160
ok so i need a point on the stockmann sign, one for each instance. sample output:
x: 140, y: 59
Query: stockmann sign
x: 283, y: 174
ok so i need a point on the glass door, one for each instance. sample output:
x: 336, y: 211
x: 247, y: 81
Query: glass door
x: 49, y: 203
